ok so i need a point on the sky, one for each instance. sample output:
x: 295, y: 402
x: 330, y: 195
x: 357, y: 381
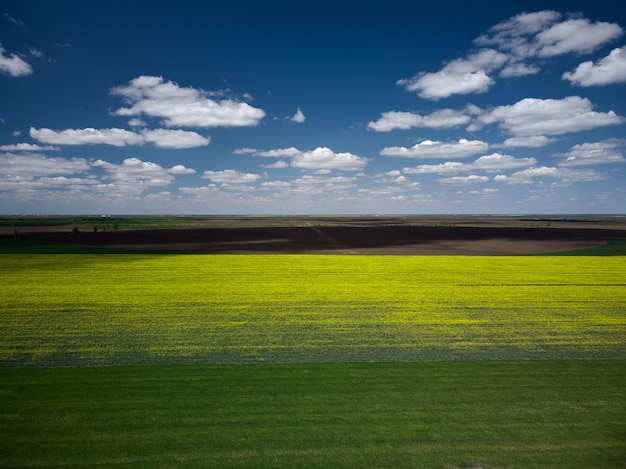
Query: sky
x: 312, y: 107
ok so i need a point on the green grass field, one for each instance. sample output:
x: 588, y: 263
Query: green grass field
x: 312, y: 361
x: 478, y: 414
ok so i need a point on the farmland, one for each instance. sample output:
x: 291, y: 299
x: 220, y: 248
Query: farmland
x: 235, y: 309
x: 447, y: 415
x: 264, y: 360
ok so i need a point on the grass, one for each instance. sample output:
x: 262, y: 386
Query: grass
x: 68, y: 310
x: 518, y: 414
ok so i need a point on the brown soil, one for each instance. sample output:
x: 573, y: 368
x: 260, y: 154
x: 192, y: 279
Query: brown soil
x: 359, y: 235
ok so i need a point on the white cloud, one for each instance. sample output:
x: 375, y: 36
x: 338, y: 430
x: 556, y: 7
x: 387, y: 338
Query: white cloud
x: 88, y: 136
x: 279, y: 153
x: 566, y: 175
x: 27, y: 147
x: 13, y: 65
x: 434, y: 149
x: 498, y: 161
x: 325, y: 158
x: 276, y: 184
x: 510, y: 35
x: 319, y: 159
x: 460, y: 76
x: 277, y: 165
x: 230, y: 176
x: 542, y: 34
x: 576, y: 35
x: 135, y: 172
x: 405, y: 120
x: 608, y: 151
x: 463, y: 180
x: 608, y: 70
x: 31, y: 165
x: 316, y: 184
x: 518, y: 69
x: 180, y: 169
x: 298, y: 117
x: 136, y: 122
x: 442, y: 168
x: 532, y: 117
x: 163, y: 138
x: 183, y: 107
x: 244, y: 151
x: 395, y: 120
x: 508, y: 46
x: 528, y: 141
x: 490, y: 163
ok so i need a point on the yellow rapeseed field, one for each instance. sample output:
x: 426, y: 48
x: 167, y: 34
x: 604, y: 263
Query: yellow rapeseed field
x: 113, y: 309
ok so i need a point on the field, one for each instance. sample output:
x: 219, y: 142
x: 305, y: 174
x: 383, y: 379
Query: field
x: 264, y: 360
x: 448, y: 415
x: 296, y: 308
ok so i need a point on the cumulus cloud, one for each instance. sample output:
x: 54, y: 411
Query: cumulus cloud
x: 13, y: 65
x: 163, y: 138
x: 134, y: 173
x: 608, y: 151
x: 319, y: 159
x: 566, y: 175
x: 490, y: 163
x: 460, y: 76
x: 27, y: 147
x: 34, y: 176
x: 277, y: 165
x: 30, y: 165
x: 180, y: 169
x: 434, y: 149
x: 442, y: 168
x: 298, y: 117
x: 512, y: 35
x: 528, y: 141
x: 244, y: 151
x: 325, y: 158
x: 279, y: 153
x: 183, y: 107
x: 463, y: 180
x: 498, y: 161
x: 576, y: 35
x: 442, y: 118
x: 513, y: 48
x: 315, y: 184
x: 608, y: 70
x: 230, y: 176
x: 531, y: 117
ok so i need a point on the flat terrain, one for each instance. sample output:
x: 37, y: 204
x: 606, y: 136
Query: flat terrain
x: 427, y: 415
x: 114, y: 353
x: 427, y: 235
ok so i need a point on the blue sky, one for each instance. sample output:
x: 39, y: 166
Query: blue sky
x: 312, y: 107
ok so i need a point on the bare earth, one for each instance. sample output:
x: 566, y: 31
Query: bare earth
x: 457, y: 235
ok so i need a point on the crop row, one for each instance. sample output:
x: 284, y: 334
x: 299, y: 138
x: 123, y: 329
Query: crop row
x: 120, y: 309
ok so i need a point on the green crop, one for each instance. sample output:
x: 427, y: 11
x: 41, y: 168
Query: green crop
x: 124, y: 309
x: 524, y: 414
